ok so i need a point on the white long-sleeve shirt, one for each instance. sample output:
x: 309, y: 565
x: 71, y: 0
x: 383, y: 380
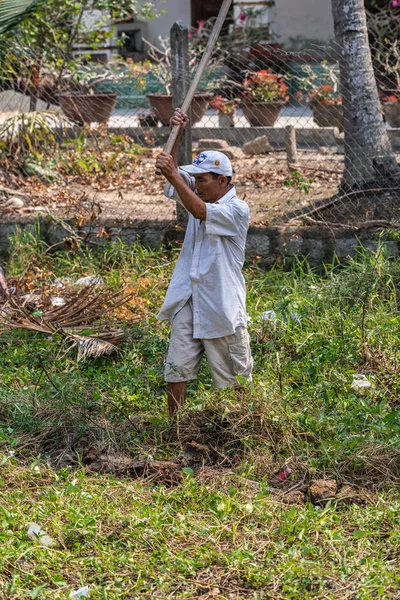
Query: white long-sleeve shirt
x: 209, y: 267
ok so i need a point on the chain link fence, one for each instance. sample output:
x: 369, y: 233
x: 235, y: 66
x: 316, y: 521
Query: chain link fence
x: 79, y: 135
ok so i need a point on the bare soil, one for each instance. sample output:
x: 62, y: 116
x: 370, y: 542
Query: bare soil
x: 137, y: 197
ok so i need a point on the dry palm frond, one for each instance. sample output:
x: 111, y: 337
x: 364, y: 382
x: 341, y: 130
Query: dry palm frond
x: 98, y: 344
x: 80, y: 310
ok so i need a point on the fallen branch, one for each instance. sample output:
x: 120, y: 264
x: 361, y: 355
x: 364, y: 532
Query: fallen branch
x: 341, y: 197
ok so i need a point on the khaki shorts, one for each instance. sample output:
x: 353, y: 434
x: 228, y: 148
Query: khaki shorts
x: 227, y: 357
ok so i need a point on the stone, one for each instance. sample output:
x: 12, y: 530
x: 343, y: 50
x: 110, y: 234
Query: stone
x: 259, y: 145
x: 293, y: 244
x: 211, y: 144
x: 321, y: 490
x: 346, y: 247
x: 230, y: 151
x: 316, y: 251
x: 15, y: 203
x: 258, y: 244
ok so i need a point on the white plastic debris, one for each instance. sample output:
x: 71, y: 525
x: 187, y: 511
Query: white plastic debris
x: 58, y: 301
x: 89, y: 280
x: 35, y: 532
x: 60, y: 283
x: 360, y: 382
x: 269, y: 315
x: 83, y: 592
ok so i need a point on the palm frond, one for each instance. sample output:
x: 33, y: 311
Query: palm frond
x: 70, y: 321
x: 13, y: 11
x: 97, y: 345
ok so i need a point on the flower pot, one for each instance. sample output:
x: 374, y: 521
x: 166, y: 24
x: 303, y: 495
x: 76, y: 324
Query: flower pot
x: 328, y: 115
x: 261, y: 114
x: 162, y: 106
x: 88, y: 108
x: 392, y: 113
x: 226, y: 119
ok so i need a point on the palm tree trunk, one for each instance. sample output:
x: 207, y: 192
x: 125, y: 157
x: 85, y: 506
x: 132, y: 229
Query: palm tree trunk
x: 369, y: 159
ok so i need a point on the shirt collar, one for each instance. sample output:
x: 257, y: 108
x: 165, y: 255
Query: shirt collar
x: 231, y: 193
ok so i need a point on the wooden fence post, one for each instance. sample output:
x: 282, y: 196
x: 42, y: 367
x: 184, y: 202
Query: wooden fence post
x: 179, y: 36
x: 291, y: 148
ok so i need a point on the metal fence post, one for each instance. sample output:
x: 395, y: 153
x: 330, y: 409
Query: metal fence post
x: 180, y: 84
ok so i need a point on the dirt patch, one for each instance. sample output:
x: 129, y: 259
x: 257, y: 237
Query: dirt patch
x: 137, y: 195
x: 164, y: 472
x: 321, y: 490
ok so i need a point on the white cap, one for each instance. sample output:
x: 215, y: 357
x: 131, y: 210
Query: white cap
x: 210, y: 162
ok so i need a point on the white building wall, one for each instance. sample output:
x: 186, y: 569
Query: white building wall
x: 307, y: 19
x: 175, y: 10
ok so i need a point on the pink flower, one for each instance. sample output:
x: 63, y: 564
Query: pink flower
x: 242, y: 16
x: 395, y: 3
x: 200, y: 26
x: 190, y: 34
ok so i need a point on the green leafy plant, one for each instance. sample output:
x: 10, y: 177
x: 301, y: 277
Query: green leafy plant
x: 27, y: 140
x: 87, y: 154
x: 320, y: 85
x: 298, y: 181
x: 14, y: 11
x: 40, y: 52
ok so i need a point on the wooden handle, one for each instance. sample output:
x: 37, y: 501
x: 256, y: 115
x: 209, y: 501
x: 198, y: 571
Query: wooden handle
x: 200, y: 70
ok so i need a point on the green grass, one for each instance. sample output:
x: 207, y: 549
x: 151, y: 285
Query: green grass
x: 219, y: 531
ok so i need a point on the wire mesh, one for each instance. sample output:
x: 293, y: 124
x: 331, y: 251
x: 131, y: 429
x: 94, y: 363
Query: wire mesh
x: 80, y: 137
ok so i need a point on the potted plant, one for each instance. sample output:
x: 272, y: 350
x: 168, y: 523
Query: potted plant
x: 55, y: 31
x: 391, y: 109
x: 264, y: 94
x: 390, y: 95
x: 326, y: 106
x: 324, y: 98
x: 83, y: 101
x: 226, y: 110
x: 161, y: 70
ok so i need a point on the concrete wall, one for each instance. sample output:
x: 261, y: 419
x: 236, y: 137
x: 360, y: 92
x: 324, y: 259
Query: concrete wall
x: 271, y: 244
x: 310, y: 19
x: 175, y: 10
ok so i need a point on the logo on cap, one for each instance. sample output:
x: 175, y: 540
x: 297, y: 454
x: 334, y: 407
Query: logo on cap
x: 200, y: 158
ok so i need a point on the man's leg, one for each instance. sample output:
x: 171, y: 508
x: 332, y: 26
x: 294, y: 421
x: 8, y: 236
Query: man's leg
x: 229, y: 357
x: 183, y: 358
x: 176, y: 394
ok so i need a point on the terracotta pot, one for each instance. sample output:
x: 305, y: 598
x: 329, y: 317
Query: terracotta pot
x: 162, y: 106
x: 261, y: 114
x: 88, y: 108
x: 226, y: 120
x: 392, y: 113
x: 328, y: 115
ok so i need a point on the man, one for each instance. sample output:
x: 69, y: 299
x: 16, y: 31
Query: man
x: 206, y: 299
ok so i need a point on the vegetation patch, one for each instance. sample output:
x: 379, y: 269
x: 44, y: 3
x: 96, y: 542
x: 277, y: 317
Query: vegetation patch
x: 288, y: 489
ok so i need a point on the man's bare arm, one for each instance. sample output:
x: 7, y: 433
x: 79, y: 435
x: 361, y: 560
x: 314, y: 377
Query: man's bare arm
x: 178, y: 118
x: 190, y: 200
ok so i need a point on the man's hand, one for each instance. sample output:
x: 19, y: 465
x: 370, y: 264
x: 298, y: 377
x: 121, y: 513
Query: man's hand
x: 165, y: 163
x: 179, y: 118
